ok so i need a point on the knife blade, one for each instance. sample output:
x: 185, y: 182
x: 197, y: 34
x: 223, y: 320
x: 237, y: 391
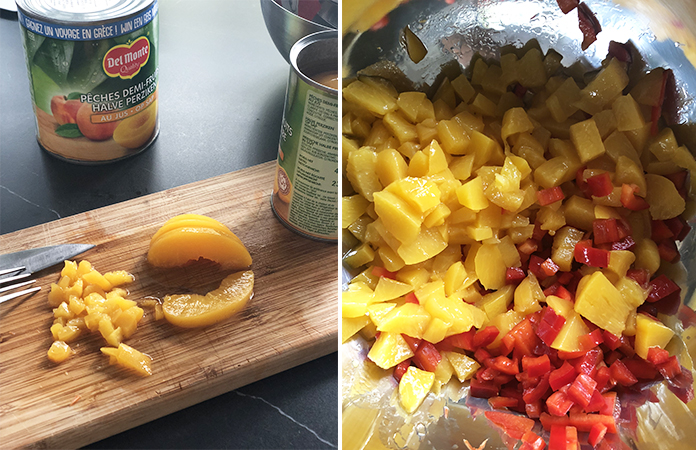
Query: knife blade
x: 37, y: 259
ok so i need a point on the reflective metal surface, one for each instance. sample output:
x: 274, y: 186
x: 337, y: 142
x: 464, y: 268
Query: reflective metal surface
x: 663, y: 32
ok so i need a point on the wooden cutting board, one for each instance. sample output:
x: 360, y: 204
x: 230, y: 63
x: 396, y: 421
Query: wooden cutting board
x: 291, y: 319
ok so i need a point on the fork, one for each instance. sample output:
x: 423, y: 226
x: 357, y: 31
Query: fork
x: 17, y: 283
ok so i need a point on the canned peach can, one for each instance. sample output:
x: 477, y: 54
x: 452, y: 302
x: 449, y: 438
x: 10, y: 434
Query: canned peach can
x: 305, y: 193
x: 93, y: 75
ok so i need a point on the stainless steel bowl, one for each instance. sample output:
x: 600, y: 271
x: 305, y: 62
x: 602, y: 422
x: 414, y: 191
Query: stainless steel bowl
x: 286, y: 27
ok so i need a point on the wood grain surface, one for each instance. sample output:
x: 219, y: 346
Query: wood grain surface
x: 291, y: 319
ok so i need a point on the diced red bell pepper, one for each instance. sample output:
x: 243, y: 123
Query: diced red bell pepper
x: 605, y: 231
x: 557, y: 438
x: 668, y: 305
x: 534, y: 409
x: 682, y: 183
x: 505, y: 365
x: 528, y: 247
x: 482, y: 389
x: 536, y: 367
x: 411, y: 298
x: 630, y: 200
x: 611, y: 404
x: 585, y: 421
x: 514, y: 275
x: 499, y: 402
x: 660, y: 287
x: 670, y: 368
x: 519, y: 90
x: 640, y: 368
x: 379, y: 271
x: 589, y: 25
x: 591, y: 340
x: 564, y: 277
x: 597, y: 433
x: 581, y: 390
x: 549, y: 267
x: 659, y: 231
x: 676, y: 226
x: 588, y: 362
x: 427, y: 357
x: 620, y: 51
x: 487, y: 374
x: 562, y: 376
x: 596, y: 403
x: 483, y: 356
x: 525, y: 339
x: 485, y: 336
x: 626, y: 243
x: 603, y: 378
x: 667, y: 250
x: 600, y: 185
x: 621, y: 374
x: 550, y: 195
x: 513, y: 425
x: 535, y: 262
x: 401, y: 369
x: 550, y: 325
x: 657, y: 355
x: 464, y: 340
x: 537, y: 392
x: 586, y: 254
x: 412, y: 342
x: 567, y: 5
x: 532, y: 441
x: 682, y: 385
x: 539, y: 233
x: 640, y: 276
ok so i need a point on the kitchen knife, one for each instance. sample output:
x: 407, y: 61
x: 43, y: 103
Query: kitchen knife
x: 40, y: 258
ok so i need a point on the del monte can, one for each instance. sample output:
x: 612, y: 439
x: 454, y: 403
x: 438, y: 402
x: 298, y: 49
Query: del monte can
x: 93, y: 75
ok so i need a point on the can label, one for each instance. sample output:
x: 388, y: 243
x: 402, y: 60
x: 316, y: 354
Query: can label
x: 305, y: 194
x: 94, y: 87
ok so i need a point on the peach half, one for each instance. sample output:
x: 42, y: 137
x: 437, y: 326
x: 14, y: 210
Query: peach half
x: 134, y: 131
x: 193, y: 310
x: 192, y: 221
x: 177, y: 246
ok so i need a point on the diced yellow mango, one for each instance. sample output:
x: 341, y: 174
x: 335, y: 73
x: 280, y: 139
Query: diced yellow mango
x: 352, y: 207
x: 662, y: 196
x: 389, y: 350
x: 464, y: 366
x: 409, y: 319
x: 420, y: 193
x: 414, y: 386
x: 362, y: 172
x: 360, y: 256
x: 436, y: 330
x: 587, y: 140
x: 527, y: 295
x: 650, y: 332
x: 59, y: 352
x: 350, y: 326
x: 598, y: 300
x: 355, y: 300
x: 369, y: 97
x: 428, y: 243
x: 568, y: 338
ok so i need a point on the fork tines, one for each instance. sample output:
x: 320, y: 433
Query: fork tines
x: 14, y: 279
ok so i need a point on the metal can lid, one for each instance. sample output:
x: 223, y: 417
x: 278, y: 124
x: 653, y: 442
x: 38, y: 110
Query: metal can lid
x: 81, y: 12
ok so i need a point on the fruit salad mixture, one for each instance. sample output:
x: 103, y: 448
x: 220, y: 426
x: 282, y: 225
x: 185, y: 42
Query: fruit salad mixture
x: 519, y: 229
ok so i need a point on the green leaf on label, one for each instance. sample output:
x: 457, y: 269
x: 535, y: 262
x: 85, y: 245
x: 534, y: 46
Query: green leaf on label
x: 74, y: 95
x: 69, y: 130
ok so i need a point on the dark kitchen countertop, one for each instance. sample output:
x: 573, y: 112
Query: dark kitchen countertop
x: 221, y: 94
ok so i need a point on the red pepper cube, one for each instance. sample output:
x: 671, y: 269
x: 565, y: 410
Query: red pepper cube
x: 413, y: 343
x: 600, y: 185
x: 464, y: 340
x: 536, y: 367
x: 427, y: 357
x: 557, y: 438
x: 611, y: 404
x: 401, y: 369
x: 640, y: 276
x: 550, y: 325
x: 482, y: 389
x: 670, y: 368
x: 549, y: 267
x: 485, y: 336
x: 505, y: 365
x: 659, y: 231
x: 597, y: 433
x: 411, y: 298
x: 660, y: 287
x: 626, y: 243
x: 584, y: 421
x: 621, y: 374
x: 605, y: 231
x: 682, y: 385
x: 588, y: 362
x: 640, y: 368
x: 499, y: 402
x: 513, y: 425
x: 567, y: 6
x: 537, y: 392
x: 532, y: 441
x: 528, y: 247
x: 514, y: 275
x: 668, y: 251
x: 687, y: 316
x: 382, y: 272
x: 657, y: 356
x: 584, y: 253
x: 603, y: 378
x: 550, y: 195
x: 562, y: 376
x: 630, y: 200
x: 581, y: 390
x: 596, y: 403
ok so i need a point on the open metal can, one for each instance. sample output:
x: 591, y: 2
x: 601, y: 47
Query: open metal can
x: 305, y: 193
x: 93, y: 74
